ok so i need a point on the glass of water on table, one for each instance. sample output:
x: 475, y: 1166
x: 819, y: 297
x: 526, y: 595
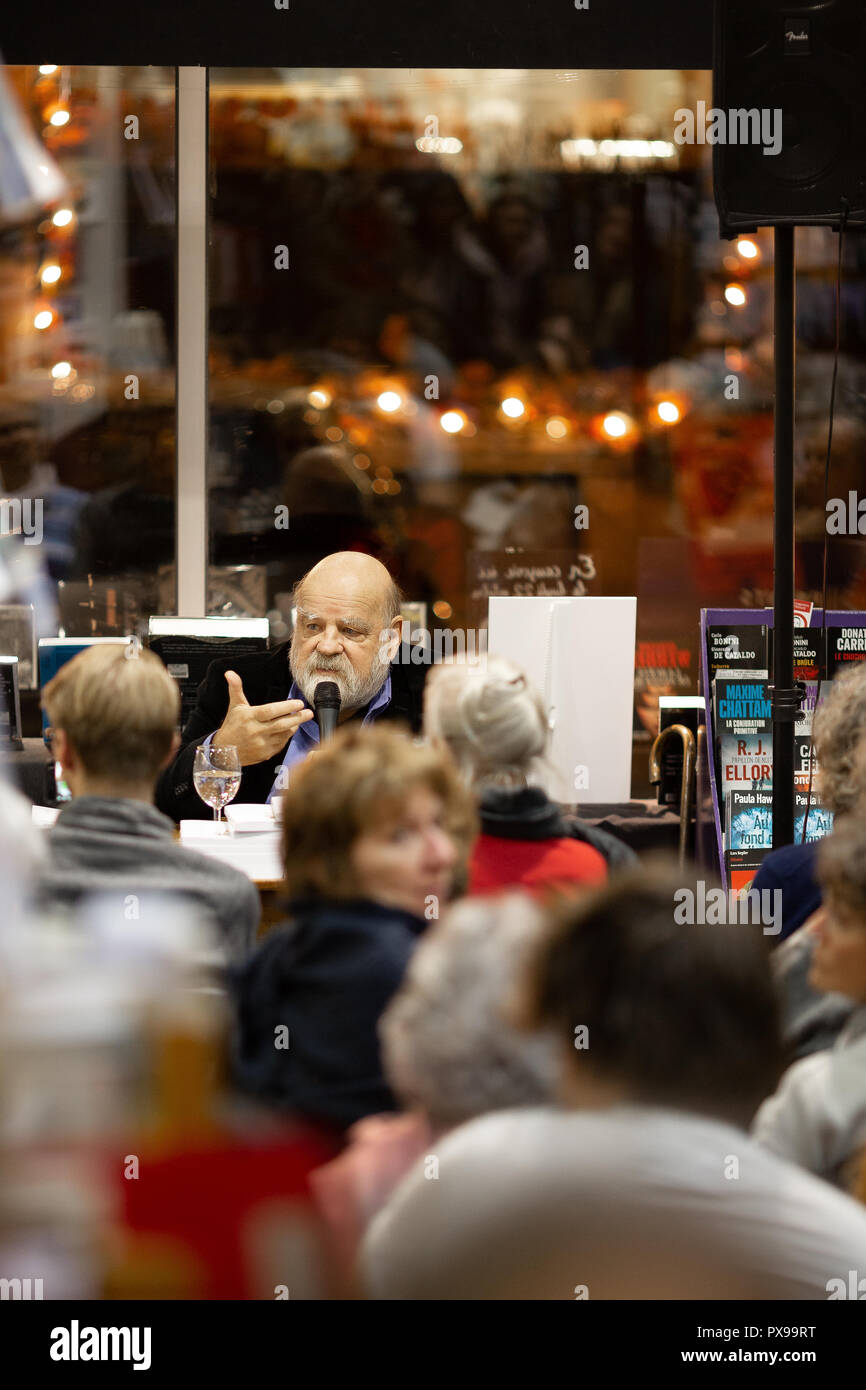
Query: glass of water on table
x: 216, y: 777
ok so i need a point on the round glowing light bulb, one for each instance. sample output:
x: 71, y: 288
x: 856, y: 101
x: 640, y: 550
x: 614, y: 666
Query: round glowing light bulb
x: 389, y: 401
x: 556, y: 427
x: 60, y: 118
x: 735, y: 294
x: 46, y: 69
x: 50, y: 274
x: 747, y: 248
x: 61, y: 370
x: 513, y: 407
x: 615, y: 425
x: 62, y: 217
x: 43, y: 319
x: 320, y: 398
x: 668, y: 411
x: 452, y: 421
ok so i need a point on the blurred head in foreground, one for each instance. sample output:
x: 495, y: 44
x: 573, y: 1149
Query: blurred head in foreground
x: 371, y: 815
x: 840, y: 724
x: 653, y: 1010
x: 450, y: 1052
x: 449, y: 1045
x: 646, y: 1185
x: 839, y: 958
x: 113, y: 712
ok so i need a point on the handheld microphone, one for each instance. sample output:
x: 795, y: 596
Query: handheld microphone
x: 326, y: 704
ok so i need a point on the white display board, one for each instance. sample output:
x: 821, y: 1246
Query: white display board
x: 579, y: 653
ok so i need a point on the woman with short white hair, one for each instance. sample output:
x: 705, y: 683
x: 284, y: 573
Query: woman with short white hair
x: 495, y: 725
x: 448, y: 1044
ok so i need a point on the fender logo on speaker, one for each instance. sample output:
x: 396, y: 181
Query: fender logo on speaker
x: 797, y: 37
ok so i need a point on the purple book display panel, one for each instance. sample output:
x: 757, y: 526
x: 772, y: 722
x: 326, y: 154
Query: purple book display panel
x: 746, y: 617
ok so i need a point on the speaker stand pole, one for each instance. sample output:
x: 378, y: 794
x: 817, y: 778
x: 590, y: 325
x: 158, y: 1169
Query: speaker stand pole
x: 785, y: 698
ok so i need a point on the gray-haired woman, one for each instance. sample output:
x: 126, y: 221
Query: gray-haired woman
x: 495, y: 724
x: 813, y: 1021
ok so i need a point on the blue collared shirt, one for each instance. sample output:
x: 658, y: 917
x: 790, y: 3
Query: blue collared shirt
x: 306, y: 736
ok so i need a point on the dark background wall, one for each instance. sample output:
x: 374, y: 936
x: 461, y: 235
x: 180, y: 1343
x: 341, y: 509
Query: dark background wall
x: 363, y: 33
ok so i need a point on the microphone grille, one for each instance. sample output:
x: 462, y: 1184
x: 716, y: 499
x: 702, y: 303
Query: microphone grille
x: 327, y: 693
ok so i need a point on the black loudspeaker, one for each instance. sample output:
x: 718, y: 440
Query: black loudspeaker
x: 807, y: 60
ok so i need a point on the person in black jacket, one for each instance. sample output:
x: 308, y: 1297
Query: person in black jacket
x: 347, y: 630
x: 374, y: 831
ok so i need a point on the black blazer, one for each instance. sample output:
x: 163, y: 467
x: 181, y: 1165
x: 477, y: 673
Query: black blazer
x: 327, y: 977
x: 266, y: 677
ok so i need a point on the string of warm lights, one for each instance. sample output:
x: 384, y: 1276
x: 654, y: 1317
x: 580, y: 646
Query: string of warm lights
x: 395, y: 403
x: 514, y: 407
x: 51, y: 94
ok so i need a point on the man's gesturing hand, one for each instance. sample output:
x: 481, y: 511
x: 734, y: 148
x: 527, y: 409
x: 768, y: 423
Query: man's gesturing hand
x: 257, y: 731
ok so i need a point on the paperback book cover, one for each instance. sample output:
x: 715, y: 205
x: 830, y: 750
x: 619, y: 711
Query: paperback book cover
x: 749, y: 829
x: 742, y: 703
x: 807, y: 653
x: 803, y: 725
x: 730, y: 648
x: 844, y: 645
x: 820, y: 819
x: 748, y: 834
x: 744, y: 731
x: 745, y: 761
x: 802, y: 749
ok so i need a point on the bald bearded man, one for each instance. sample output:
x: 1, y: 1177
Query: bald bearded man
x: 347, y: 630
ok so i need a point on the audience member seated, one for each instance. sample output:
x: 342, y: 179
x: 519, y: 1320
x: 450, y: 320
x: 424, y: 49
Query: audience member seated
x: 113, y: 712
x: 817, y: 1118
x: 495, y: 725
x: 449, y: 1052
x: 645, y: 1184
x: 374, y: 827
x: 811, y: 1020
x: 839, y: 725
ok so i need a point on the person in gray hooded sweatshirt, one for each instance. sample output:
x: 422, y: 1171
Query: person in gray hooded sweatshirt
x: 113, y: 712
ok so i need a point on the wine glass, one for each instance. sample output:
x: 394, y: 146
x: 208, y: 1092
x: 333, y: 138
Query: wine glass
x: 216, y: 776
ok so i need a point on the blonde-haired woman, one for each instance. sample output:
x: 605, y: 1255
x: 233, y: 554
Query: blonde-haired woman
x: 375, y: 829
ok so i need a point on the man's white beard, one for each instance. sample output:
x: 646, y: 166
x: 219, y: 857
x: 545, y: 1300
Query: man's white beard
x: 355, y: 692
